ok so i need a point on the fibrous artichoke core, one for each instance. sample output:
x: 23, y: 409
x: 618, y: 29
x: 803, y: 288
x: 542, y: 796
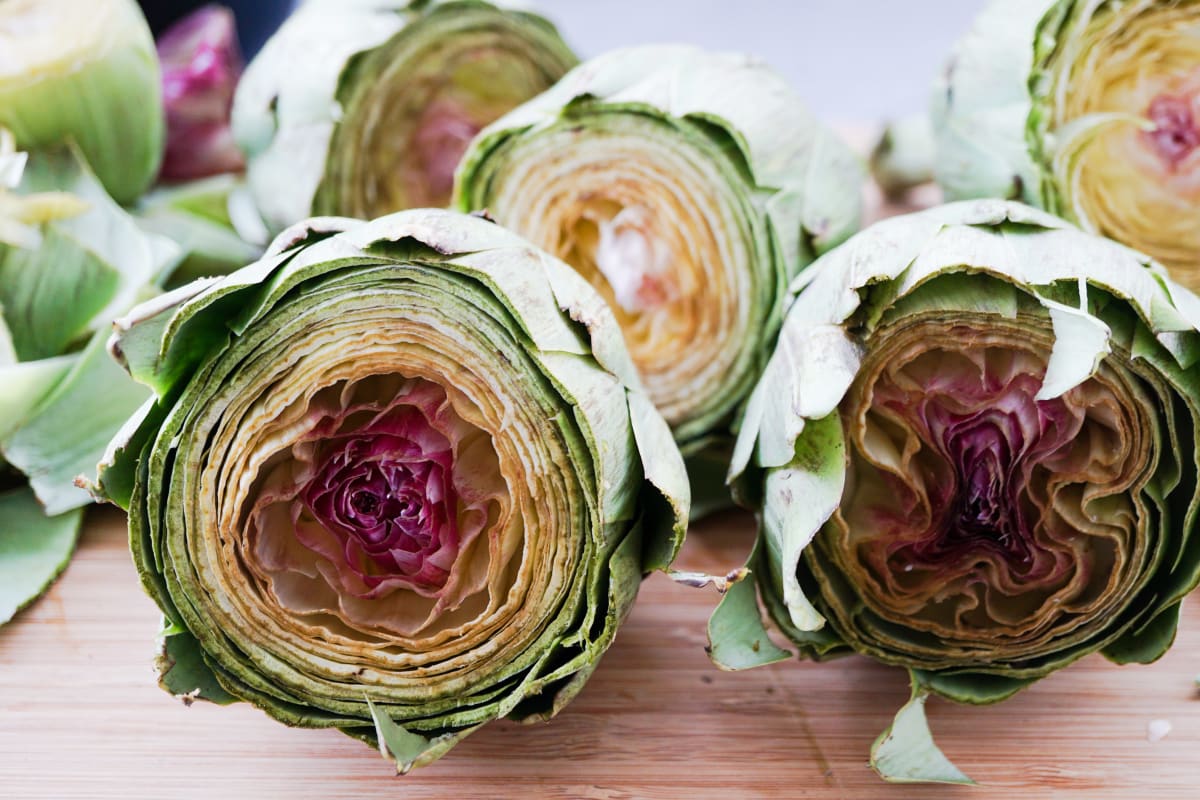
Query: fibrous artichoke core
x: 1126, y: 98
x: 642, y: 221
x: 415, y: 127
x: 979, y: 518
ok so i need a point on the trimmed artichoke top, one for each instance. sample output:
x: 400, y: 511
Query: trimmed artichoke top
x: 974, y: 456
x: 399, y: 478
x: 689, y: 188
x: 1090, y: 110
x: 364, y: 108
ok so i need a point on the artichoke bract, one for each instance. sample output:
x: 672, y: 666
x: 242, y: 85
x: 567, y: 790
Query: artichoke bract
x: 1090, y: 110
x: 363, y: 108
x: 84, y: 71
x: 974, y: 456
x: 689, y: 188
x: 70, y: 260
x: 398, y: 478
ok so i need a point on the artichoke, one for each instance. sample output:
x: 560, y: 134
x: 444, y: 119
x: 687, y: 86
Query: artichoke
x: 70, y: 259
x: 201, y: 64
x: 398, y: 478
x: 85, y: 71
x: 363, y: 108
x: 689, y: 188
x: 1090, y: 110
x: 974, y: 456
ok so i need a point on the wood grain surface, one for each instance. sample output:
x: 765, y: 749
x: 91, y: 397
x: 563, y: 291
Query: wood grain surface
x: 81, y: 716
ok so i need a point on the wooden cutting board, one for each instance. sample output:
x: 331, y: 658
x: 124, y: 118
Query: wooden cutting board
x: 81, y: 717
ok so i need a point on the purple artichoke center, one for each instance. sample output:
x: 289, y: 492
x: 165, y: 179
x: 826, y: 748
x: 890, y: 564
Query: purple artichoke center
x: 387, y: 494
x: 984, y: 508
x: 1175, y: 135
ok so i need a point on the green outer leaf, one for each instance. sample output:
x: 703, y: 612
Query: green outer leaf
x: 199, y: 217
x: 34, y: 549
x: 1080, y: 344
x: 209, y: 344
x: 289, y: 105
x: 97, y: 85
x: 89, y: 268
x: 981, y: 105
x: 26, y: 385
x: 407, y: 749
x: 737, y: 637
x: 184, y: 673
x: 906, y: 753
x: 65, y: 437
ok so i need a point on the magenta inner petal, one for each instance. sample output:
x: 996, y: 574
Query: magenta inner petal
x: 386, y: 494
x: 1175, y: 134
x: 972, y: 507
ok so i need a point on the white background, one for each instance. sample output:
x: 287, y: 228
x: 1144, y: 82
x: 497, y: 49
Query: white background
x: 852, y: 60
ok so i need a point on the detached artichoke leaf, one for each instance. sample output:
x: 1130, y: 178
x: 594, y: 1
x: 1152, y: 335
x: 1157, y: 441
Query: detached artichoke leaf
x: 1012, y: 475
x: 66, y: 433
x: 34, y: 548
x: 906, y: 753
x: 79, y: 259
x: 389, y: 482
x: 200, y: 217
x: 90, y: 266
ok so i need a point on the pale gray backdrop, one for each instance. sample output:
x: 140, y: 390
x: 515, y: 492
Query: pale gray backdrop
x: 853, y: 60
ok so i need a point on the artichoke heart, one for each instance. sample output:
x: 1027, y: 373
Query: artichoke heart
x: 974, y: 456
x: 399, y: 478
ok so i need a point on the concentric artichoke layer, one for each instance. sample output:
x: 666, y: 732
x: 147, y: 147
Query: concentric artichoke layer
x: 688, y: 188
x: 378, y: 122
x: 973, y: 454
x: 1088, y: 109
x: 399, y: 479
x: 994, y: 524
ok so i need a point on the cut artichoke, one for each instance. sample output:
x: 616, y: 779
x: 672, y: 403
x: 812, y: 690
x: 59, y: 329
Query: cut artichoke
x: 974, y: 456
x: 1090, y: 110
x: 363, y: 108
x: 688, y: 187
x: 84, y: 71
x: 398, y: 479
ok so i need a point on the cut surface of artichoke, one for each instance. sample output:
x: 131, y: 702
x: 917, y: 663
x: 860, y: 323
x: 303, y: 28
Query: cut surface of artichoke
x: 1088, y: 109
x: 379, y: 122
x: 687, y: 187
x: 973, y: 456
x: 1126, y: 106
x: 409, y: 495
